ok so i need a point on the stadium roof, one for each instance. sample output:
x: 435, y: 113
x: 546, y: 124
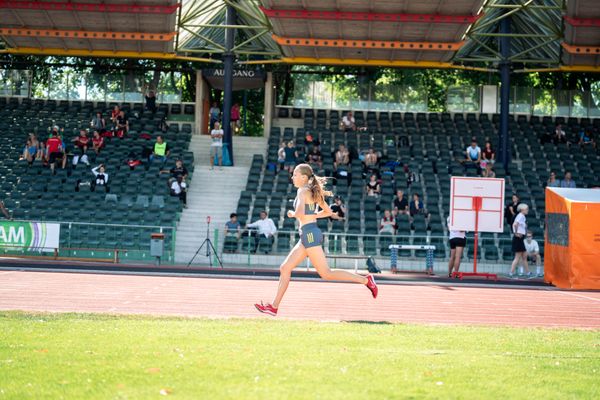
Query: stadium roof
x: 545, y: 34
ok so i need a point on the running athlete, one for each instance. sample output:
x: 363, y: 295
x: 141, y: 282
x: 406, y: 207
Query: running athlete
x: 310, y: 197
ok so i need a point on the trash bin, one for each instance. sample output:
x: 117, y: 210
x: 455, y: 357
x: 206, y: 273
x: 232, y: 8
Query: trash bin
x: 157, y: 246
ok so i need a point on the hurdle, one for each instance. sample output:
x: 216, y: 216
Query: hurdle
x: 428, y: 257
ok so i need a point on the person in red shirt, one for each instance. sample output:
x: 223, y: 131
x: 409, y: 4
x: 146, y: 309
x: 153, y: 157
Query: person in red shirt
x: 82, y: 141
x: 55, y: 152
x: 235, y: 118
x: 115, y: 114
x: 97, y: 142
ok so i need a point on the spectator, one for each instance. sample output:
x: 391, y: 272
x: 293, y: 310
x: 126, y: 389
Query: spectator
x: 511, y: 210
x: 215, y: 115
x: 100, y: 178
x: 310, y: 142
x: 473, y: 154
x: 314, y: 158
x: 373, y: 188
x: 265, y: 227
x: 371, y: 161
x: 82, y: 141
x: 179, y: 189
x: 488, y: 155
x: 98, y: 123
x: 97, y: 142
x: 235, y: 118
x: 348, y: 122
x: 519, y: 229
x: 122, y: 125
x: 177, y: 171
x: 552, y: 181
x: 533, y: 252
x: 458, y: 242
x: 416, y: 206
x: 559, y: 135
x: 233, y: 233
x: 55, y: 151
x: 281, y: 155
x: 341, y: 163
x: 160, y: 150
x: 338, y: 209
x: 291, y: 154
x: 150, y: 98
x: 4, y: 210
x: 400, y: 204
x: 216, y: 145
x: 114, y: 114
x: 132, y: 160
x: 388, y: 223
x: 31, y: 149
x: 568, y: 182
x: 586, y: 137
x: 488, y: 171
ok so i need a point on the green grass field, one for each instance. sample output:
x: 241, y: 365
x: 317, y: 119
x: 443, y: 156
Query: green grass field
x: 84, y: 356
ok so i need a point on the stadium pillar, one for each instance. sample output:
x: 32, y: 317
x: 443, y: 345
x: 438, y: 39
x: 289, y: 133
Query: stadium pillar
x: 268, y: 112
x: 228, y: 59
x: 202, y: 101
x: 504, y: 42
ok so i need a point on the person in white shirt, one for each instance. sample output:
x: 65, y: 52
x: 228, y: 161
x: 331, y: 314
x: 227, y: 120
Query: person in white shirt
x: 519, y: 229
x: 458, y: 242
x: 179, y: 189
x: 473, y: 156
x: 216, y: 146
x: 533, y: 252
x: 264, y: 227
x: 348, y: 122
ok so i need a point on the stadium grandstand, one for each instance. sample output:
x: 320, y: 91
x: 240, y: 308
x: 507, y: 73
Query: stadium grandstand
x: 253, y: 49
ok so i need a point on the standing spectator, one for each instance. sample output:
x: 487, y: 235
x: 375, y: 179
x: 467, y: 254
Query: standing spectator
x: 97, y: 142
x: 215, y: 115
x: 488, y: 155
x: 533, y: 252
x: 559, y: 135
x: 400, y: 204
x: 586, y: 137
x: 511, y: 210
x: 338, y: 209
x: 488, y: 171
x: 416, y: 206
x: 519, y: 229
x: 348, y: 122
x: 552, y: 181
x: 314, y: 158
x: 160, y: 151
x: 98, y: 123
x: 150, y: 98
x: 216, y: 146
x: 458, y: 242
x: 235, y: 118
x: 265, y: 227
x: 473, y: 154
x: 568, y: 182
x: 291, y: 154
x: 122, y: 126
x: 31, y: 149
x: 281, y: 155
x: 55, y: 151
x: 373, y: 188
x: 179, y: 189
x: 387, y: 223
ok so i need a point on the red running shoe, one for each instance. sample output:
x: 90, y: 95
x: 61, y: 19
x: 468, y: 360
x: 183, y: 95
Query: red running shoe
x: 267, y: 309
x: 372, y: 286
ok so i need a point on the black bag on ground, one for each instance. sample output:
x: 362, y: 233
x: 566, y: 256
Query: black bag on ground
x: 372, y: 267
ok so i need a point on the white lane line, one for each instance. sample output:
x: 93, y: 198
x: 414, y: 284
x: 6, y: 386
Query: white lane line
x: 574, y: 294
x: 6, y: 272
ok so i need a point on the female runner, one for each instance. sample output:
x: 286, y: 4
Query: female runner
x: 310, y: 195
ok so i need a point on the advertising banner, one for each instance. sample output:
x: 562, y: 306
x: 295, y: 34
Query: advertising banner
x: 33, y: 236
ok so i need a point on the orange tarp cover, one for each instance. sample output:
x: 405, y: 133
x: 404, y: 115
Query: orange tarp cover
x: 572, y: 241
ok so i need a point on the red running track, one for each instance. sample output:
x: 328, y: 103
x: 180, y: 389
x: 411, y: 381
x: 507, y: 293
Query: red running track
x: 305, y: 300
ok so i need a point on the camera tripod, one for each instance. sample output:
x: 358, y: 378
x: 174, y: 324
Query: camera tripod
x: 209, y: 246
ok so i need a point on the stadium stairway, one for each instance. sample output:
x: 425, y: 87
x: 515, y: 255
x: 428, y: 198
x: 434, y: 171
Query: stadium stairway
x: 213, y: 193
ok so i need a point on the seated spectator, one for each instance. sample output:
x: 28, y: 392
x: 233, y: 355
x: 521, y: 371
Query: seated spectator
x: 97, y: 141
x: 132, y: 160
x: 291, y: 155
x: 98, y: 123
x: 400, y: 204
x: 160, y: 151
x: 310, y: 142
x: 178, y: 188
x: 568, y: 182
x: 338, y: 209
x: 552, y: 181
x: 371, y: 161
x: 122, y: 125
x: 100, y: 178
x: 533, y: 252
x: 82, y: 141
x: 281, y: 155
x: 417, y: 207
x: 373, y: 188
x: 150, y: 98
x: 341, y: 163
x: 177, y: 171
x: 559, y: 135
x: 488, y: 155
x: 348, y: 122
x: 114, y: 114
x: 586, y: 137
x: 31, y: 149
x: 511, y: 210
x: 473, y: 159
x: 314, y: 158
x: 233, y: 233
x: 265, y: 227
x: 387, y: 223
x: 55, y: 151
x: 488, y: 171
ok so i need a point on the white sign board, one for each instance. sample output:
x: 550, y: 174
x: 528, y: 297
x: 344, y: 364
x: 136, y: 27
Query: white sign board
x: 462, y: 213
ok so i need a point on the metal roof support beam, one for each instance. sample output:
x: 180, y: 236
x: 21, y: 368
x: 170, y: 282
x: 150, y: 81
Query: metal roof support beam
x: 505, y: 65
x: 80, y: 34
x: 515, y: 8
x: 368, y: 44
x: 582, y: 22
x: 207, y: 40
x: 526, y: 51
x: 517, y: 35
x: 370, y: 16
x: 250, y: 39
x: 228, y: 60
x: 89, y: 7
